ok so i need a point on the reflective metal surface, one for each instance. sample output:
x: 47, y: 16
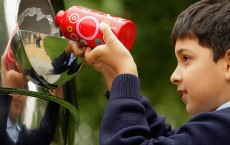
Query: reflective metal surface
x: 38, y: 103
x: 46, y: 59
x: 34, y: 121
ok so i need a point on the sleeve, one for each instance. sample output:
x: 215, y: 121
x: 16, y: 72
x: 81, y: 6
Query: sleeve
x: 128, y: 121
x: 5, y: 101
x: 156, y: 122
x: 60, y: 63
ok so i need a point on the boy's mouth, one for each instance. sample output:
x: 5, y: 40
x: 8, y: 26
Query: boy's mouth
x: 184, y: 94
x: 184, y: 98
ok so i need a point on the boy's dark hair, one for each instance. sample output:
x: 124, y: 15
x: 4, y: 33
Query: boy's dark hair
x: 208, y: 21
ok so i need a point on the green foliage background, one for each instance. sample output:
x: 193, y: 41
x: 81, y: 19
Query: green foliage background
x: 154, y: 56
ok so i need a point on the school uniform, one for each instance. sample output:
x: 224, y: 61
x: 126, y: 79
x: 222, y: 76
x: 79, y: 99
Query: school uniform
x: 24, y: 136
x: 129, y: 119
x: 65, y: 62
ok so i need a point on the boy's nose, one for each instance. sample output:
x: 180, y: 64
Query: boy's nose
x: 176, y: 77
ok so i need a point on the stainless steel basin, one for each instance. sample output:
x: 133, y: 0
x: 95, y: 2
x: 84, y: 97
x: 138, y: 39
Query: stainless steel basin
x: 43, y: 105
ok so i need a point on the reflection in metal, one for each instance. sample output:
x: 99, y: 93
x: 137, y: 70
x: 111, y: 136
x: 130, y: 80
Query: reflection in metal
x: 44, y: 112
x: 45, y: 60
x: 44, y: 120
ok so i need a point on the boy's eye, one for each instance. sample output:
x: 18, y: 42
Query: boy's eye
x: 186, y: 58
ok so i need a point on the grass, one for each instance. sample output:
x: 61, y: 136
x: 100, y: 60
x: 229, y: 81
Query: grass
x: 55, y: 46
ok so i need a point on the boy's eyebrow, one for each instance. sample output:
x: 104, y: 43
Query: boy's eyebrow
x: 182, y: 50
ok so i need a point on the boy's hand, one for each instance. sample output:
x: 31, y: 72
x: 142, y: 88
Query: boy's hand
x: 75, y: 47
x: 11, y: 78
x: 113, y: 54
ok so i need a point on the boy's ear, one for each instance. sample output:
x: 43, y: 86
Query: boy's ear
x: 227, y: 60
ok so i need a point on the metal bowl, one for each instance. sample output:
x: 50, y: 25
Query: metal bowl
x: 43, y: 120
x: 42, y: 115
x: 45, y: 61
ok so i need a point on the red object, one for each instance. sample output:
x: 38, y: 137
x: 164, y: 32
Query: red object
x: 10, y: 61
x: 82, y: 24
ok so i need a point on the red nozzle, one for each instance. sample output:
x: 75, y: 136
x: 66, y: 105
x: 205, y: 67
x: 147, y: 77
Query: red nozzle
x: 58, y: 18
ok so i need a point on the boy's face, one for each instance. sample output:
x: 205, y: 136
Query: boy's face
x: 17, y: 106
x: 199, y: 79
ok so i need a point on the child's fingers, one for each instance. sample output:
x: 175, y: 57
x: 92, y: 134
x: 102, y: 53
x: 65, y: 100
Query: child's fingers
x: 79, y: 52
x: 89, y: 55
x: 3, y: 63
x: 3, y: 57
x: 108, y: 33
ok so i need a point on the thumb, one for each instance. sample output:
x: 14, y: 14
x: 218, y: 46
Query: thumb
x: 108, y: 33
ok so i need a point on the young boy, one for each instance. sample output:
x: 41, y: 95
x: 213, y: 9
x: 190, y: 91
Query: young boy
x: 201, y: 37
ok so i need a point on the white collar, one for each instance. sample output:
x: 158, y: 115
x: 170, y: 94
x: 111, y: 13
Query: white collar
x: 225, y: 105
x: 11, y: 124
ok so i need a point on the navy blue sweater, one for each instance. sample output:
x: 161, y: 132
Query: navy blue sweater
x: 130, y: 120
